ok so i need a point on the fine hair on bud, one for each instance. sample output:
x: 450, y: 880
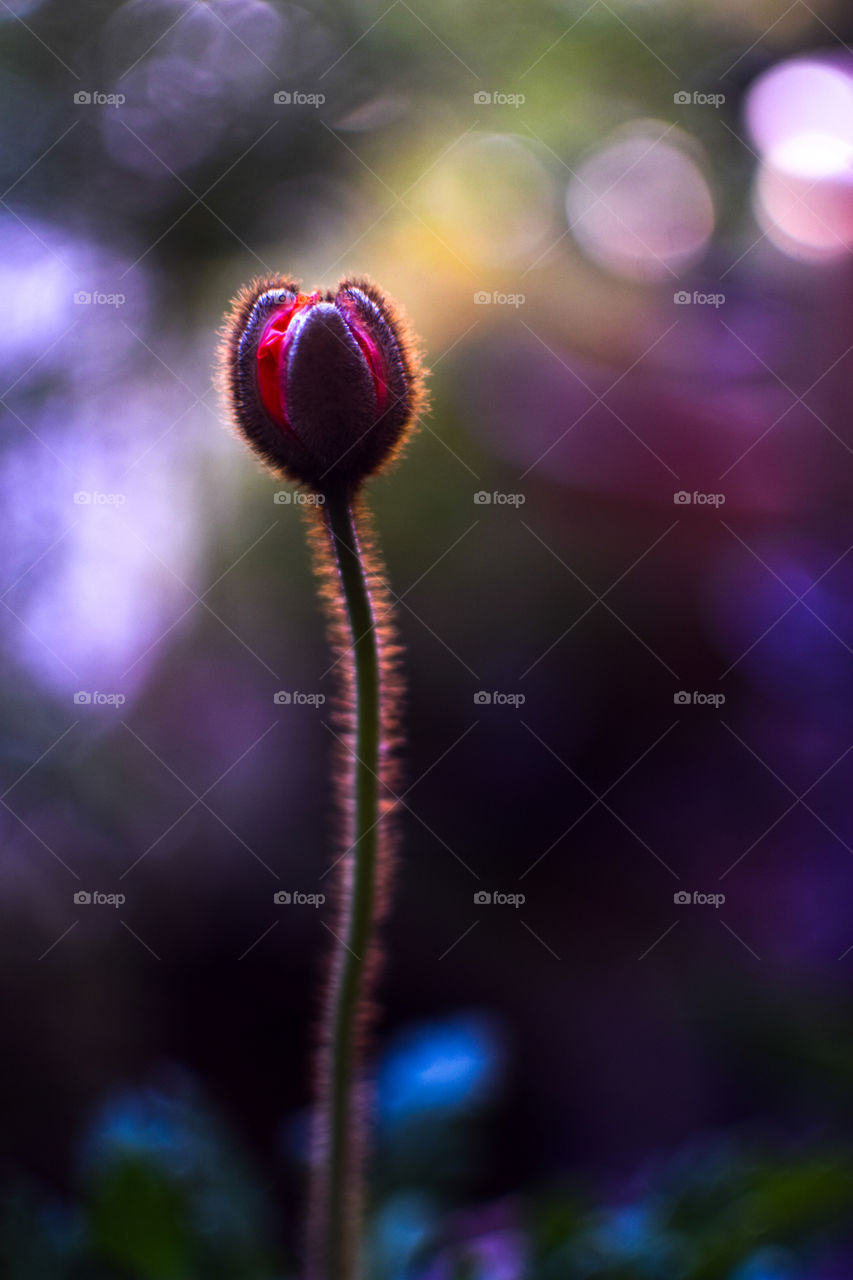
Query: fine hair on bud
x: 325, y: 386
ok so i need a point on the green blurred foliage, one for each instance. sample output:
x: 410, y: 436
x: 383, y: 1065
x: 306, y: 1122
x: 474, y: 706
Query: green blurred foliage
x: 185, y: 1206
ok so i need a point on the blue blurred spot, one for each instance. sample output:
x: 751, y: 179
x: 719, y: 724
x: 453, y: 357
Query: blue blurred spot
x: 631, y: 1238
x: 138, y: 1123
x: 453, y: 1065
x: 767, y: 1264
x: 628, y: 1232
x: 132, y: 1123
x: 400, y: 1230
x: 150, y: 1126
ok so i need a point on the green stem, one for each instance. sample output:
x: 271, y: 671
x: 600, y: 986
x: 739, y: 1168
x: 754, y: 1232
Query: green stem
x: 342, y: 1193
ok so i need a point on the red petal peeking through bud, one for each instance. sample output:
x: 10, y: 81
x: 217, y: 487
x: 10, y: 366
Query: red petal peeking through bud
x: 370, y: 349
x: 271, y: 350
x: 323, y: 386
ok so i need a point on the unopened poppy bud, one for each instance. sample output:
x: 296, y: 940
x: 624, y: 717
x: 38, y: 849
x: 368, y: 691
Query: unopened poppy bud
x: 323, y: 386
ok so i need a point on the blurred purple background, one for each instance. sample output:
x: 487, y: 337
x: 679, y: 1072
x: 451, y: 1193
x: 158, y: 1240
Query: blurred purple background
x: 626, y: 520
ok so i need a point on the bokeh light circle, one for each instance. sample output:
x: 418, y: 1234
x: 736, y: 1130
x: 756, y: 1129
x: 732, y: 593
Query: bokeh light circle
x: 491, y: 199
x: 801, y: 96
x: 640, y: 204
x: 800, y: 117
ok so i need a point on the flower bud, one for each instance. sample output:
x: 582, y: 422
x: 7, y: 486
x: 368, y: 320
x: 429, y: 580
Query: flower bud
x: 323, y: 386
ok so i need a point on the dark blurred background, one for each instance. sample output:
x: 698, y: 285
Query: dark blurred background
x: 621, y: 543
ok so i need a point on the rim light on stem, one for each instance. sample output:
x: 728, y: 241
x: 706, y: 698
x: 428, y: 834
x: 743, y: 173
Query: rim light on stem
x: 324, y: 388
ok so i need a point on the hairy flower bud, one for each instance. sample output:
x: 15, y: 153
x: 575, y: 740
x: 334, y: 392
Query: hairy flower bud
x: 323, y: 386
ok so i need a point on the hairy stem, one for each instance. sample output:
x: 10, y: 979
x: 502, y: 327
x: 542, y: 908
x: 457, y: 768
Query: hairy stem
x: 350, y: 590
